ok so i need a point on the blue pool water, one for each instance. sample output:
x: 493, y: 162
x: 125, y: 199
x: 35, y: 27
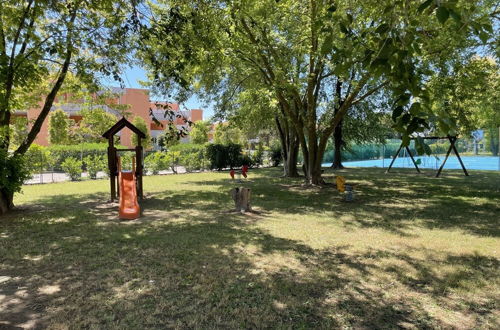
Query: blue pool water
x: 489, y: 163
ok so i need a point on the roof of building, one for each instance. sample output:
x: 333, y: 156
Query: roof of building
x: 172, y: 106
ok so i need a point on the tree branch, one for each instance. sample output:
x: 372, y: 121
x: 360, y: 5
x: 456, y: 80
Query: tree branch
x: 370, y: 92
x: 49, y: 99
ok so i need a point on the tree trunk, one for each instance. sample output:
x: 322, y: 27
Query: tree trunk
x: 241, y: 197
x: 6, y: 202
x: 338, y: 144
x: 494, y: 141
x: 289, y: 147
x: 291, y: 161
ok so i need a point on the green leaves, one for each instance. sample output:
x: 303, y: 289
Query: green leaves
x: 442, y: 14
x: 397, y: 112
x: 383, y: 28
x: 424, y: 5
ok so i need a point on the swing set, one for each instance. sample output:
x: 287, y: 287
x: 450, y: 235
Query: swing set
x: 452, y: 139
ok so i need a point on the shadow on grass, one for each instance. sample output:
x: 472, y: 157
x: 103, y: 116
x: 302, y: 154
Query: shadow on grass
x: 396, y: 202
x: 188, y: 263
x: 218, y: 272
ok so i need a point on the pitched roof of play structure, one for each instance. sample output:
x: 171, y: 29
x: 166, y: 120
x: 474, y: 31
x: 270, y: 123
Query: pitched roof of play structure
x: 120, y: 125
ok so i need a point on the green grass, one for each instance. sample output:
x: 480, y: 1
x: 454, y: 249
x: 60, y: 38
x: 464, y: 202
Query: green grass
x: 413, y: 251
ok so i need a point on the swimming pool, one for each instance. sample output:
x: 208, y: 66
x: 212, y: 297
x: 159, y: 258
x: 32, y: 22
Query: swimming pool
x: 489, y: 163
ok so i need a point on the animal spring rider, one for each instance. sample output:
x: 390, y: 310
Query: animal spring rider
x: 244, y: 171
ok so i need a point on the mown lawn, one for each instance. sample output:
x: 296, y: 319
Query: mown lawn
x: 413, y: 251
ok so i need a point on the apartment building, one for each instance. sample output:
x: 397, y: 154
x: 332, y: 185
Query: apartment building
x: 139, y: 105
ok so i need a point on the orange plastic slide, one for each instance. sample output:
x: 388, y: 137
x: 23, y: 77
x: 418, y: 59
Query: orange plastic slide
x: 129, y: 207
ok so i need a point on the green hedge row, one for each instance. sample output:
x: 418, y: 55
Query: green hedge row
x: 201, y: 156
x: 51, y: 158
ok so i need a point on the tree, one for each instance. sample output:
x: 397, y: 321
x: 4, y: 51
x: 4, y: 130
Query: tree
x: 40, y: 42
x: 167, y: 139
x: 226, y: 133
x: 467, y: 91
x: 199, y: 132
x: 364, y: 123
x: 59, y: 125
x: 95, y: 121
x: 256, y: 112
x: 19, y: 130
x: 141, y: 124
x: 300, y: 51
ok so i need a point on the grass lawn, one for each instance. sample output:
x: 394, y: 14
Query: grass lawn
x: 413, y: 251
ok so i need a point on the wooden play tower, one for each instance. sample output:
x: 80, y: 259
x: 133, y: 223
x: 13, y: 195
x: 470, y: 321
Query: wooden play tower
x: 113, y: 157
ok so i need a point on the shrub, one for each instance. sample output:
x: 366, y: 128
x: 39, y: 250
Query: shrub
x: 73, y: 167
x: 38, y: 159
x: 233, y: 153
x: 276, y: 156
x: 246, y: 160
x: 172, y: 159
x: 94, y: 164
x: 155, y: 162
x: 58, y: 153
x: 222, y: 156
x: 258, y: 156
x: 191, y: 156
x: 14, y: 171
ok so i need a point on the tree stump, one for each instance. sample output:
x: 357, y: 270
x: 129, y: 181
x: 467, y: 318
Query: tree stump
x: 241, y: 197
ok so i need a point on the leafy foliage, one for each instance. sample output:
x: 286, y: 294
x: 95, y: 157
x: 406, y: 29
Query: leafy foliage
x: 222, y: 156
x: 295, y: 51
x: 155, y: 162
x: 199, y: 132
x: 19, y: 131
x: 141, y: 124
x: 94, y: 164
x: 58, y: 153
x: 226, y: 133
x: 38, y: 158
x: 73, y: 167
x: 59, y: 124
x: 42, y: 41
x: 94, y: 123
x: 14, y: 171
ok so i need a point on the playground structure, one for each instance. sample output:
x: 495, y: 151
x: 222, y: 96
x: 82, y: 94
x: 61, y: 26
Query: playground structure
x: 452, y: 140
x: 128, y: 184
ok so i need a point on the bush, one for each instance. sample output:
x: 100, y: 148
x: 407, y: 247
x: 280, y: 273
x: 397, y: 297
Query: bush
x: 14, y: 171
x: 73, y: 167
x: 155, y: 162
x: 276, y: 156
x: 38, y: 159
x: 59, y: 153
x: 191, y: 162
x: 223, y: 156
x: 191, y: 156
x: 172, y: 160
x: 94, y: 164
x: 258, y: 156
x: 246, y: 160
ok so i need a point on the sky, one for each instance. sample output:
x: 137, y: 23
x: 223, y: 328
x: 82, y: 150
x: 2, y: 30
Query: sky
x: 133, y: 75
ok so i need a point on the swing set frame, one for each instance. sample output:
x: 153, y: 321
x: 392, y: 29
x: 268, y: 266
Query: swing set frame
x: 452, y: 140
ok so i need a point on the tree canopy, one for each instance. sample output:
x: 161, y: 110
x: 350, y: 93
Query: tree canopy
x: 311, y: 54
x: 40, y: 42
